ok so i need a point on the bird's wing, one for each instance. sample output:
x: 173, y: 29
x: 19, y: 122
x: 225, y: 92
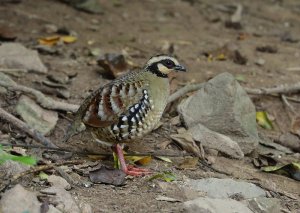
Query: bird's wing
x: 114, y: 102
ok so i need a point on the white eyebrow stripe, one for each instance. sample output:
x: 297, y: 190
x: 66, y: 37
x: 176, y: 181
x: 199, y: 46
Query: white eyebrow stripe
x: 159, y: 58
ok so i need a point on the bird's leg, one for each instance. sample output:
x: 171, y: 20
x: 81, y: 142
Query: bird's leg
x: 129, y: 170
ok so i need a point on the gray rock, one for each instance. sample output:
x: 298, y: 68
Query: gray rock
x: 214, y: 205
x: 217, y: 141
x: 10, y: 168
x: 7, y: 80
x: 52, y: 209
x: 90, y: 6
x: 225, y: 188
x: 59, y: 182
x: 264, y: 205
x: 63, y: 199
x: 36, y: 117
x: 222, y: 105
x: 18, y: 200
x: 16, y: 56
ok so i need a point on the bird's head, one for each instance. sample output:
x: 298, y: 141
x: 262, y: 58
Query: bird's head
x: 162, y: 65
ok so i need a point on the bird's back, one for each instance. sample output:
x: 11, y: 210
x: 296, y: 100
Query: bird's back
x: 126, y: 108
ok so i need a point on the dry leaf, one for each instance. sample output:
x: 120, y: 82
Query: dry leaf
x: 142, y: 160
x: 53, y: 40
x: 186, y: 141
x: 188, y: 163
x: 291, y: 169
x: 68, y: 39
x: 109, y: 176
x: 295, y: 129
x: 114, y: 65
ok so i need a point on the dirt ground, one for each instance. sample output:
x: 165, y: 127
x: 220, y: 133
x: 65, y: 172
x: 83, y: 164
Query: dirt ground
x: 141, y: 29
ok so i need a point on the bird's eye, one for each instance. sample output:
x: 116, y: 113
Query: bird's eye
x: 169, y: 63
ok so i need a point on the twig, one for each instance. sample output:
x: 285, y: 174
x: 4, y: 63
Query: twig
x: 289, y: 106
x: 184, y: 90
x: 39, y: 169
x: 13, y: 72
x: 66, y: 176
x: 95, y: 153
x: 43, y: 100
x: 281, y: 89
x: 37, y: 136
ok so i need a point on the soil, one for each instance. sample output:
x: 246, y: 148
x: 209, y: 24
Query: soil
x: 141, y: 29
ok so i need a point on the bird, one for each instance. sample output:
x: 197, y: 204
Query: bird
x: 128, y: 107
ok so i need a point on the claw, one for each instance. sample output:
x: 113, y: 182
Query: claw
x: 129, y: 169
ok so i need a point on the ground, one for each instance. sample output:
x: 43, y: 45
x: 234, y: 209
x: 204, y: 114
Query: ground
x: 141, y: 29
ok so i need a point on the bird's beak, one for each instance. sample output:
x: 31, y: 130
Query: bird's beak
x: 180, y: 68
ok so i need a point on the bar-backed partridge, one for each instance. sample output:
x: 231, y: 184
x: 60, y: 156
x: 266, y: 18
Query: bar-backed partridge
x: 128, y: 107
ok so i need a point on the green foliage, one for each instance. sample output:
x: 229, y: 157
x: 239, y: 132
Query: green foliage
x: 4, y: 156
x: 165, y: 176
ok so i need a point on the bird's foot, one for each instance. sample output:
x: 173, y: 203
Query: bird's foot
x: 134, y: 171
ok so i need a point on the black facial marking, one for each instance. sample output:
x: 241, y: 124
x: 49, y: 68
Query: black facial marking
x: 154, y: 69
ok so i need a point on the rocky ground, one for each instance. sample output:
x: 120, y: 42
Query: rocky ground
x: 216, y: 143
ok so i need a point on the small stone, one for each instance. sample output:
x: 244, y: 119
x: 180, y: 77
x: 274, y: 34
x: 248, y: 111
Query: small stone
x: 264, y: 205
x: 50, y: 28
x: 18, y: 200
x: 224, y: 188
x: 260, y: 62
x: 90, y: 6
x: 16, y: 56
x: 59, y: 182
x: 36, y: 117
x: 64, y: 200
x: 213, y: 205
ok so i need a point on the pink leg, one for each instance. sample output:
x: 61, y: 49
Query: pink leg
x: 129, y: 170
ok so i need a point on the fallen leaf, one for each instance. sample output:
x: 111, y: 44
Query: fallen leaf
x: 188, y: 163
x: 27, y: 160
x: 68, y: 39
x: 263, y: 120
x: 49, y: 41
x: 267, y: 49
x: 165, y: 176
x: 221, y: 57
x: 108, y: 176
x: 186, y: 141
x: 114, y: 65
x: 142, y: 160
x: 43, y: 176
x: 164, y: 159
x: 96, y: 157
x: 240, y: 78
x: 292, y: 170
x: 53, y: 40
x: 295, y: 129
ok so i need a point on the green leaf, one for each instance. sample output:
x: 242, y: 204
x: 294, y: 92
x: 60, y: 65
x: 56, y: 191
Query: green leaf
x: 166, y: 176
x: 43, y: 176
x: 4, y: 156
x: 28, y: 160
x: 291, y: 169
x: 263, y: 120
